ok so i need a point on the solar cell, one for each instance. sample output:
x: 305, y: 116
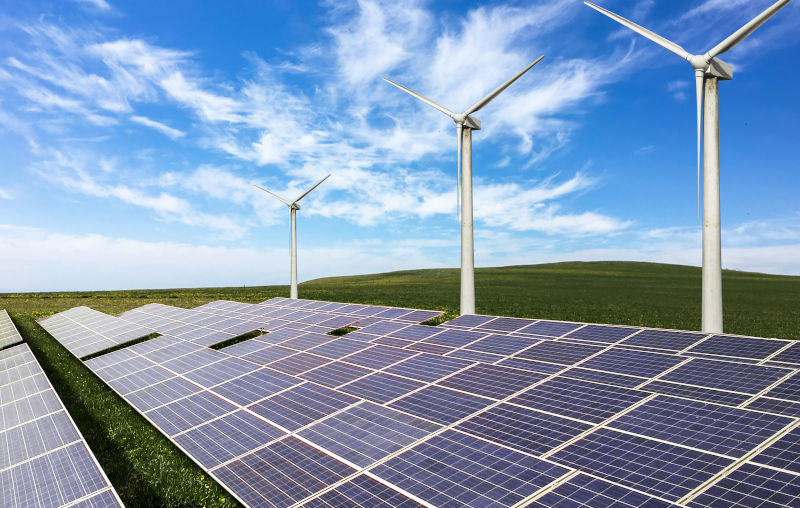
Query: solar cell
x: 492, y: 380
x: 384, y: 327
x: 8, y: 332
x: 563, y: 353
x: 726, y: 375
x: 636, y: 363
x: 186, y: 413
x: 502, y: 344
x: 140, y: 379
x: 697, y: 393
x: 339, y: 348
x: 506, y: 324
x: 710, y: 427
x: 418, y: 316
x: 367, y: 433
x: 161, y: 393
x: 191, y: 361
x: 24, y: 410
x: 790, y: 355
x: 752, y: 485
x: 362, y: 491
x: 307, y: 341
x: 378, y: 357
x: 255, y: 386
x: 298, y: 363
x: 268, y: 355
x: 788, y: 389
x: 532, y: 365
x: 23, y: 388
x: 381, y: 387
x: 584, y: 491
x: 220, y: 372
x: 601, y: 333
x: 783, y: 453
x: 663, y: 339
x: 522, y: 429
x: 661, y: 469
x: 226, y: 438
x: 475, y: 356
x: 424, y: 347
x: 391, y: 341
x: 244, y: 348
x: 454, y: 338
x: 440, y: 405
x: 782, y: 407
x: 743, y: 347
x: 469, y: 320
x: 281, y: 474
x: 415, y: 332
x: 36, y: 437
x: 467, y: 472
x: 550, y: 328
x: 301, y: 405
x: 584, y: 400
x: 335, y: 374
x: 428, y: 367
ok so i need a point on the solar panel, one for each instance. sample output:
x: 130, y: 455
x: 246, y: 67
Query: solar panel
x: 726, y: 375
x: 8, y: 332
x: 585, y: 491
x: 636, y: 363
x: 440, y: 405
x: 752, y: 485
x: 492, y: 380
x: 783, y: 453
x: 663, y: 339
x: 301, y: 405
x: 381, y: 387
x: 742, y: 347
x: 362, y: 491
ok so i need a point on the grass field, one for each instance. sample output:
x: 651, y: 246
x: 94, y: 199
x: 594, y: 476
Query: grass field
x: 148, y: 471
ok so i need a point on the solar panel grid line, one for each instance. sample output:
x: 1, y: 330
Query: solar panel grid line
x: 738, y: 463
x: 776, y: 353
x: 552, y: 486
x: 376, y: 478
x: 770, y: 387
x: 40, y: 455
x: 90, y: 496
x: 656, y: 378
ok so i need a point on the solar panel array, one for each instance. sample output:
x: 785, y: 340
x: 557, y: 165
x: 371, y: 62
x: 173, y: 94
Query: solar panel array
x: 479, y: 411
x: 44, y: 461
x: 8, y: 332
x: 84, y: 331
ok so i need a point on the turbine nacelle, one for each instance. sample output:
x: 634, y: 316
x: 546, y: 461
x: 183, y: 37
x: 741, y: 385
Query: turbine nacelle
x: 467, y: 121
x: 712, y: 67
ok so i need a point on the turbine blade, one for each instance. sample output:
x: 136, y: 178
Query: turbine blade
x: 481, y: 103
x: 661, y: 41
x: 309, y: 190
x: 459, y: 131
x: 742, y: 33
x: 423, y: 98
x: 273, y: 194
x: 700, y: 82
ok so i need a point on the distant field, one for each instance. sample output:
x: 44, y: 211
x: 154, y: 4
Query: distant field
x: 148, y: 471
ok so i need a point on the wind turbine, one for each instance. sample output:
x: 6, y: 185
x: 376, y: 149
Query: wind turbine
x: 293, y: 207
x: 708, y: 70
x: 465, y: 124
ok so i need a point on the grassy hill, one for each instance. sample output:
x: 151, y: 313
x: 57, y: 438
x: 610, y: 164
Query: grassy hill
x: 147, y: 470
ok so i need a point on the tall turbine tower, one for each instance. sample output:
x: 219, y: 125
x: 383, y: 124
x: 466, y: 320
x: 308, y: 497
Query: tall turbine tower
x: 708, y: 70
x: 293, y: 207
x: 465, y: 124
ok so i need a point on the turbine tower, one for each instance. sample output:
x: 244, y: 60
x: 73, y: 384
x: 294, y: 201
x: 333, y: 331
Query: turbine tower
x: 293, y: 207
x: 465, y: 124
x: 708, y: 70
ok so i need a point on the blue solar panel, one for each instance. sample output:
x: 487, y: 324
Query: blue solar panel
x: 36, y: 437
x: 750, y: 486
x: 440, y: 405
x: 415, y: 332
x: 362, y: 491
x: 307, y: 341
x: 502, y: 344
x: 268, y: 355
x: 391, y: 341
x: 301, y: 405
x: 454, y: 338
x: 430, y: 348
x: 532, y: 365
x: 492, y: 380
x: 743, y: 347
x: 469, y: 320
x: 255, y: 386
x: 191, y: 361
x: 550, y: 328
x: 635, y: 363
x: 726, y: 375
x: 367, y: 433
x: 186, y: 413
x: 220, y: 372
x: 383, y: 327
x: 608, y: 378
x: 522, y: 429
x: 475, y: 356
x: 783, y: 453
x: 585, y: 491
x: 506, y: 324
x: 299, y: 363
x: 378, y: 357
x: 381, y: 387
x: 453, y: 469
x: 428, y: 367
x: 788, y: 389
x: 601, y: 333
x: 281, y: 474
x: 789, y: 355
x: 710, y: 427
x: 227, y: 438
x: 562, y: 353
x: 782, y: 407
x: 335, y: 374
x: 662, y: 469
x: 161, y: 393
x: 338, y: 348
x: 697, y: 393
x: 663, y: 339
x: 584, y: 400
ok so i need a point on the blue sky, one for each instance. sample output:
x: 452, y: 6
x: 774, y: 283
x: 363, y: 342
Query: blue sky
x: 131, y: 133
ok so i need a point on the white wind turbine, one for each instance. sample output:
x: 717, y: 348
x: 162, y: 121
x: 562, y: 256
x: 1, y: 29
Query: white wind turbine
x: 708, y: 70
x: 465, y: 124
x: 293, y: 207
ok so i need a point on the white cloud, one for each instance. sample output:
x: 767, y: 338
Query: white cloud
x: 4, y: 194
x: 97, y: 4
x: 160, y: 127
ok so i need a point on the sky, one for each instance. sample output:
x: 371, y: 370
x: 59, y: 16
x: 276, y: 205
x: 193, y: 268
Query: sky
x: 131, y: 134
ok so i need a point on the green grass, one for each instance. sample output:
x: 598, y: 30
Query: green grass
x: 148, y: 471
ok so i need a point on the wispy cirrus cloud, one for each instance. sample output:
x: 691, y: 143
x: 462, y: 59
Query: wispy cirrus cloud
x: 160, y: 127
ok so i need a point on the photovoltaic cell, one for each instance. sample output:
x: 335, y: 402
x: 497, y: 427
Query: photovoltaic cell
x: 710, y: 427
x: 752, y: 485
x: 506, y: 324
x: 301, y: 405
x: 268, y: 355
x: 440, y: 405
x: 502, y: 344
x: 469, y: 320
x: 522, y: 429
x: 726, y: 375
x: 475, y: 356
x: 789, y: 355
x: 366, y: 433
x: 255, y: 386
x: 635, y: 363
x: 415, y: 332
x: 186, y: 413
x: 782, y: 407
x: 378, y: 357
x: 338, y: 348
x: 783, y: 453
x: 585, y: 491
x: 600, y: 333
x: 550, y: 328
x: 381, y: 387
x: 661, y: 469
x: 35, y: 438
x: 663, y: 339
x: 532, y: 365
x: 744, y: 347
x: 282, y: 473
x: 299, y: 363
x: 161, y: 393
x: 362, y: 491
x: 697, y: 393
x: 335, y: 374
x: 562, y: 353
x: 8, y: 332
x: 425, y: 347
x: 788, y: 389
x: 492, y: 380
x: 454, y: 338
x: 467, y: 472
x: 591, y: 402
